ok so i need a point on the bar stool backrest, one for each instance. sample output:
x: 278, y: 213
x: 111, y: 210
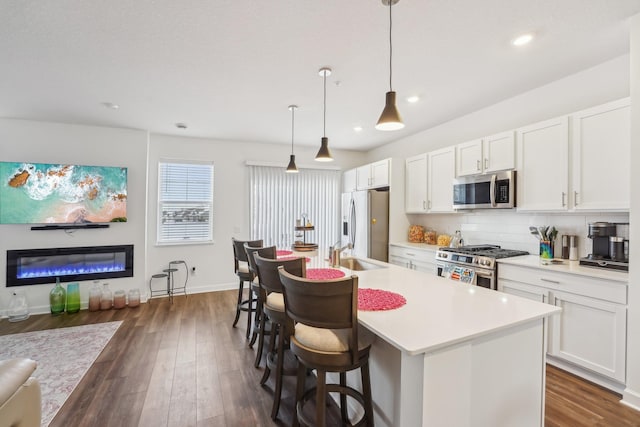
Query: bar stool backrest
x: 327, y: 304
x: 239, y: 254
x: 265, y: 252
x: 268, y: 271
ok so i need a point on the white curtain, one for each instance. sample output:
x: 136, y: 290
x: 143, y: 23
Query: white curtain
x: 278, y: 199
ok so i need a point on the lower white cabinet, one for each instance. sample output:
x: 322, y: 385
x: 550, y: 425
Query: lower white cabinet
x: 590, y: 333
x: 591, y: 329
x: 420, y: 259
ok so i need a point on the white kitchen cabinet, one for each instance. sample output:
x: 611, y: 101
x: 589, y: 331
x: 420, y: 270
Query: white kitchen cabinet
x: 543, y: 166
x: 415, y: 184
x: 349, y: 181
x: 420, y: 259
x: 469, y: 158
x: 373, y: 175
x: 601, y: 139
x: 489, y: 154
x: 590, y: 332
x: 441, y: 172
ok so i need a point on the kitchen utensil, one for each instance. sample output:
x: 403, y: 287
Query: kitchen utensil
x: 534, y: 231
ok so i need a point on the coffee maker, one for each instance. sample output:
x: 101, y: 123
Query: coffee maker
x: 609, y: 249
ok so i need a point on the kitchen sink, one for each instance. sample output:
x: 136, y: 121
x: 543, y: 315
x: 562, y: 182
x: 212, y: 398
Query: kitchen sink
x: 357, y: 264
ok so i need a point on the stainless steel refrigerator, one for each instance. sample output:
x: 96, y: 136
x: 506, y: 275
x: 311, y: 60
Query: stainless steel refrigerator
x: 365, y: 223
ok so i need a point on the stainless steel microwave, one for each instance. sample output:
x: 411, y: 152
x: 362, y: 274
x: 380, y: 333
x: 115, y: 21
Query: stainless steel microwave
x: 491, y: 191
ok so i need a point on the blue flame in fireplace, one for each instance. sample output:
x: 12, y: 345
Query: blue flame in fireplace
x: 30, y: 272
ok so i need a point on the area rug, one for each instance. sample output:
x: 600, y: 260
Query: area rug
x: 64, y: 355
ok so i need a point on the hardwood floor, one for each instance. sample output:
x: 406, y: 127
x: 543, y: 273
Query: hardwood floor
x: 182, y: 364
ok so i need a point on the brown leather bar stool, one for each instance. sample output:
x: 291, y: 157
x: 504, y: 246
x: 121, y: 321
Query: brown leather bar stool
x: 259, y: 322
x: 327, y: 338
x: 241, y: 268
x: 281, y: 324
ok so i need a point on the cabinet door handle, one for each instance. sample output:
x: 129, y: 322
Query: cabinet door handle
x: 549, y: 281
x: 477, y: 164
x: 486, y: 163
x: 410, y: 254
x: 424, y: 205
x: 575, y: 198
x: 563, y: 195
x: 429, y: 204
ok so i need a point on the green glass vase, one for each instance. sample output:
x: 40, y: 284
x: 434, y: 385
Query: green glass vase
x: 57, y: 298
x: 73, y: 298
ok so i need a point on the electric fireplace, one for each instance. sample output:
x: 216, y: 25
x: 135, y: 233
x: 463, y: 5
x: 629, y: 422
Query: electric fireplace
x: 38, y: 266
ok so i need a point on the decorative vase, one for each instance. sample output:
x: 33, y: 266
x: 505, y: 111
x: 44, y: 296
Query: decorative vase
x: 95, y: 295
x: 134, y: 297
x: 73, y: 298
x: 18, y: 307
x: 57, y: 298
x: 119, y: 299
x: 106, y: 299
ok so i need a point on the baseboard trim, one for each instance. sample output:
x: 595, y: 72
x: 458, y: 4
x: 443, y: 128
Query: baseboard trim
x: 607, y: 383
x: 631, y: 399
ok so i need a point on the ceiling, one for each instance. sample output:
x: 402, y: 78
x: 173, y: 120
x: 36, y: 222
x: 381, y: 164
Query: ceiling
x: 228, y: 69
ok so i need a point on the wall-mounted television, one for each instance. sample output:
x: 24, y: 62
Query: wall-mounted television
x: 43, y: 193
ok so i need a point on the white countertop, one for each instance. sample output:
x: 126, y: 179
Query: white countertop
x: 439, y: 312
x: 422, y: 246
x: 571, y: 267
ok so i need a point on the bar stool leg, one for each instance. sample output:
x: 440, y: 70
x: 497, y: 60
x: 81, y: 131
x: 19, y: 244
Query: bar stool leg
x: 321, y: 397
x: 239, y: 304
x: 343, y: 398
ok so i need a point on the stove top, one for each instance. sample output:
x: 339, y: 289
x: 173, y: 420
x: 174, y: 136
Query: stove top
x: 491, y: 251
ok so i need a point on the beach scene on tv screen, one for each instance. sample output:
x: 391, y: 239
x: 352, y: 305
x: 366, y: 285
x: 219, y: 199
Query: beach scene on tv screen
x: 42, y: 193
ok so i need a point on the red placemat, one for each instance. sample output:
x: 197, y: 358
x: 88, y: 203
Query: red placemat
x: 377, y: 299
x: 324, y: 273
x: 283, y: 252
x: 287, y: 258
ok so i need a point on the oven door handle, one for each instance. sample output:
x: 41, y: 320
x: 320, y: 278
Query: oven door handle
x: 492, y: 191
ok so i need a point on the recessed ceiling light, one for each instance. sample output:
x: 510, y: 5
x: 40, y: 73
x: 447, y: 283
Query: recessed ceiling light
x: 357, y: 128
x: 413, y: 99
x: 110, y: 105
x: 181, y: 125
x: 523, y: 39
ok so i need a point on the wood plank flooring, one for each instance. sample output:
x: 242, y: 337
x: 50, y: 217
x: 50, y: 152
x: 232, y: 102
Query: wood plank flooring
x: 182, y: 364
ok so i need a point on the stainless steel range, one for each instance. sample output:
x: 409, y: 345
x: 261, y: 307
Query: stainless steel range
x: 474, y: 264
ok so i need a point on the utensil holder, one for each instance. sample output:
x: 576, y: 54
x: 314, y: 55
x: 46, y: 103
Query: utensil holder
x: 546, y: 249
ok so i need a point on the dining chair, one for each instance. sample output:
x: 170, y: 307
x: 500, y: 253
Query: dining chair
x: 241, y: 269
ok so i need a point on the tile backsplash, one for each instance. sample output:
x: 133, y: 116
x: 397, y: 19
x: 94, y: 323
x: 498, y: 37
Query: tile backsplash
x: 510, y: 229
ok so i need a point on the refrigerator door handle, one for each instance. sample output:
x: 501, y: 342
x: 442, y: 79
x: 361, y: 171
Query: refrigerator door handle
x: 352, y: 223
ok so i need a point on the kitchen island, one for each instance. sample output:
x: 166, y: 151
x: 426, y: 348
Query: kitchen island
x: 455, y: 354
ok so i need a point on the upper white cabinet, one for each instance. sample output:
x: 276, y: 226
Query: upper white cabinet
x: 415, y: 198
x: 373, y: 175
x: 429, y: 181
x: 441, y: 172
x: 489, y: 154
x: 349, y: 181
x: 601, y: 139
x: 543, y: 165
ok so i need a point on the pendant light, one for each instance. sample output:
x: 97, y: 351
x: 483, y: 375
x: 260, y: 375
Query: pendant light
x: 292, y: 168
x: 390, y: 118
x: 324, y: 155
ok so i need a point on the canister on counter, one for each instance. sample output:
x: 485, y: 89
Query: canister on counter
x: 573, y: 248
x: 565, y: 246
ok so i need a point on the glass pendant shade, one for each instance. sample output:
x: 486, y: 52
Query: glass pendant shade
x: 291, y: 167
x: 390, y: 118
x: 324, y: 154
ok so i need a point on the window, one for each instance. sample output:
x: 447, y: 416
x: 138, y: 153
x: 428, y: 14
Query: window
x: 185, y: 202
x: 277, y: 199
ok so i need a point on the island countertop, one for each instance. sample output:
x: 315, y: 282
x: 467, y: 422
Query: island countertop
x: 440, y: 312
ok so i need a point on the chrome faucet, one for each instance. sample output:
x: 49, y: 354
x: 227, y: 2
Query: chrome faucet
x: 334, y: 253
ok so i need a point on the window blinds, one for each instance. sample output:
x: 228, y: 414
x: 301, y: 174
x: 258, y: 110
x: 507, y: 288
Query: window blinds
x: 185, y: 202
x: 277, y: 199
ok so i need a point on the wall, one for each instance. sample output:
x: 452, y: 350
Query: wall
x: 631, y: 394
x: 605, y: 82
x: 214, y: 262
x: 41, y: 142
